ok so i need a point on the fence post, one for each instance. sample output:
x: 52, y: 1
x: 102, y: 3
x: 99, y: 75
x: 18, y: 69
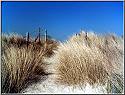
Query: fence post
x: 86, y: 35
x: 45, y: 35
x: 27, y: 39
x: 45, y: 40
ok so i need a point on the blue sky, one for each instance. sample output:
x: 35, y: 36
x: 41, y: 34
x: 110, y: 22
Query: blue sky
x: 62, y: 19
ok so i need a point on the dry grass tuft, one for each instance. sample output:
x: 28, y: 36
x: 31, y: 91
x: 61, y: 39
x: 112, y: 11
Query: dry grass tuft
x: 20, y: 41
x: 92, y: 59
x: 21, y: 65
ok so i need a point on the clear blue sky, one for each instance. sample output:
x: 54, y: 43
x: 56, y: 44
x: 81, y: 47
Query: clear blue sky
x: 62, y: 19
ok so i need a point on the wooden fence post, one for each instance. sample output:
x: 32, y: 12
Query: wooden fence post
x: 27, y: 39
x: 45, y: 35
x: 45, y: 39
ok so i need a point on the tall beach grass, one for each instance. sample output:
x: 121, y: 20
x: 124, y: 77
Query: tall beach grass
x: 93, y: 59
x: 22, y: 65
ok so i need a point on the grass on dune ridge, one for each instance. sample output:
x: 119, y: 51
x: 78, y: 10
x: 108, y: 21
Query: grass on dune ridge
x: 93, y: 59
x: 22, y: 65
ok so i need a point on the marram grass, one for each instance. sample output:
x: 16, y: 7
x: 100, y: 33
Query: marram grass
x: 92, y: 59
x: 22, y: 65
x: 83, y: 59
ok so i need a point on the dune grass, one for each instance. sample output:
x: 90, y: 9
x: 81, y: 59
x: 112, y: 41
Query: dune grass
x: 93, y: 59
x: 22, y: 65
